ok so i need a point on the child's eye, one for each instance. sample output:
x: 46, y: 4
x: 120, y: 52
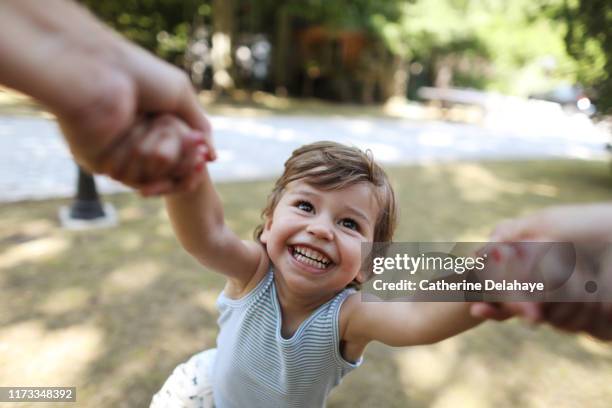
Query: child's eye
x: 305, y: 206
x: 350, y: 224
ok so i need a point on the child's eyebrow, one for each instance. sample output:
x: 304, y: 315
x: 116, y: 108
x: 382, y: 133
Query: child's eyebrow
x: 354, y: 210
x: 357, y: 212
x: 302, y: 191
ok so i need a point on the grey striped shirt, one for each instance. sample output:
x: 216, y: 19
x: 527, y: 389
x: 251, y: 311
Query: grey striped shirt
x: 256, y: 367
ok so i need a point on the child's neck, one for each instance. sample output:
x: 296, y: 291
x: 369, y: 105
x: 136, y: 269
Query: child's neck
x: 295, y: 307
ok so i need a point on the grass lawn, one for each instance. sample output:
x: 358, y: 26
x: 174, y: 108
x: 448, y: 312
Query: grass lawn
x: 113, y: 311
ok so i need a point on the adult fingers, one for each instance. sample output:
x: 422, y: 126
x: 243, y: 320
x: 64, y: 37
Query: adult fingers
x: 584, y: 317
x: 190, y: 109
x: 559, y: 314
x: 162, y: 88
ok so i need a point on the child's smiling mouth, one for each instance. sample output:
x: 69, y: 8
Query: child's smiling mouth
x: 310, y: 257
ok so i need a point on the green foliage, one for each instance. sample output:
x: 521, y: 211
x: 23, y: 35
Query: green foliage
x: 347, y: 14
x: 517, y: 46
x: 161, y: 26
x: 589, y: 41
x: 501, y: 44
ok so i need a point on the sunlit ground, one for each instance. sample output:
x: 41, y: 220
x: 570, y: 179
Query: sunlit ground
x: 113, y: 311
x: 257, y: 104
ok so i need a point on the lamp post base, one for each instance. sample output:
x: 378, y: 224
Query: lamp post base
x: 70, y: 220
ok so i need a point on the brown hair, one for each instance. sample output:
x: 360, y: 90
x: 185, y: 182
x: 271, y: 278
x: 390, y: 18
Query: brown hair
x: 333, y: 166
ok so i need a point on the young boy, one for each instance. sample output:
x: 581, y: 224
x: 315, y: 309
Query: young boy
x: 291, y: 325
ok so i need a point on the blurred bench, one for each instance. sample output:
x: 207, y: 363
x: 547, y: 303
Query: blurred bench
x: 454, y: 99
x: 454, y: 96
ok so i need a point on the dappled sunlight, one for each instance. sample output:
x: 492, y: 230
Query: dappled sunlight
x: 37, y: 251
x: 64, y: 301
x: 553, y: 380
x: 207, y: 299
x: 164, y: 230
x: 507, y: 364
x: 270, y: 101
x: 130, y: 241
x: 427, y: 368
x: 478, y: 184
x: 131, y: 277
x: 131, y: 213
x: 477, y: 234
x: 400, y: 107
x: 30, y: 228
x: 30, y: 355
x: 37, y: 227
x: 174, y: 336
x: 246, y: 221
x: 460, y: 395
x: 594, y: 346
x: 162, y: 214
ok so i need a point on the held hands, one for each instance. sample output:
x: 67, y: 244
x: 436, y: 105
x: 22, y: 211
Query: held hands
x: 159, y: 155
x: 585, y: 226
x: 100, y: 86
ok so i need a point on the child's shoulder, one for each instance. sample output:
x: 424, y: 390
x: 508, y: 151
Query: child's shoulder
x: 236, y: 288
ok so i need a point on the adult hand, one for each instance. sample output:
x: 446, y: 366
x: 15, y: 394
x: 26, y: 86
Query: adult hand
x: 586, y: 226
x: 98, y: 85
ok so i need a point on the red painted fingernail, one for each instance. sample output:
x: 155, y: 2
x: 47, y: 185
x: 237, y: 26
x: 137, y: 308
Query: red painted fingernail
x: 496, y: 255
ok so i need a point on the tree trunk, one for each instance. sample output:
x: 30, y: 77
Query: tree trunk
x: 283, y: 39
x: 223, y: 21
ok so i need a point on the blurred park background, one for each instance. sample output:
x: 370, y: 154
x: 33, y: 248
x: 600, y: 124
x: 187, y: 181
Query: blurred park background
x: 480, y: 109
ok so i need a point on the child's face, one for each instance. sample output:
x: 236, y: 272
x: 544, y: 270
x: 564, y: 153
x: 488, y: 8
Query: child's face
x: 314, y: 236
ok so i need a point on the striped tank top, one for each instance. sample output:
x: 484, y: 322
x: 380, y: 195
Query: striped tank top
x: 256, y: 367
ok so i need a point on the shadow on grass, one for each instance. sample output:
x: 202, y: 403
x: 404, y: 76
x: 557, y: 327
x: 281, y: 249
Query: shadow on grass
x: 113, y: 311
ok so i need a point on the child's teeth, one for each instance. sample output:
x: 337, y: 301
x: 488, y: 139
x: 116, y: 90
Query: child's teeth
x: 303, y: 255
x: 312, y: 254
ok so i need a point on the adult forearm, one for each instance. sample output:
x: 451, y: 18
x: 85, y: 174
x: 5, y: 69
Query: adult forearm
x: 58, y: 53
x: 35, y: 39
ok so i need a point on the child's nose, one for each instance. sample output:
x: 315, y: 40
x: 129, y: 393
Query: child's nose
x: 320, y: 229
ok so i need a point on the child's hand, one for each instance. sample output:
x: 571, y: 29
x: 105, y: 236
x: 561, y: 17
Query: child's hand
x: 159, y: 155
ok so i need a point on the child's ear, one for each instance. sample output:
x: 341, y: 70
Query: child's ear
x: 361, y: 278
x: 266, y: 230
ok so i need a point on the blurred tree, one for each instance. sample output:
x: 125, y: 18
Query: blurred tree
x: 351, y: 51
x: 589, y: 41
x: 223, y: 33
x: 492, y: 44
x: 369, y: 46
x: 161, y: 26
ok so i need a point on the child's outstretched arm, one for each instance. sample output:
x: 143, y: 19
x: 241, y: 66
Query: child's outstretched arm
x: 404, y: 323
x: 198, y: 221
